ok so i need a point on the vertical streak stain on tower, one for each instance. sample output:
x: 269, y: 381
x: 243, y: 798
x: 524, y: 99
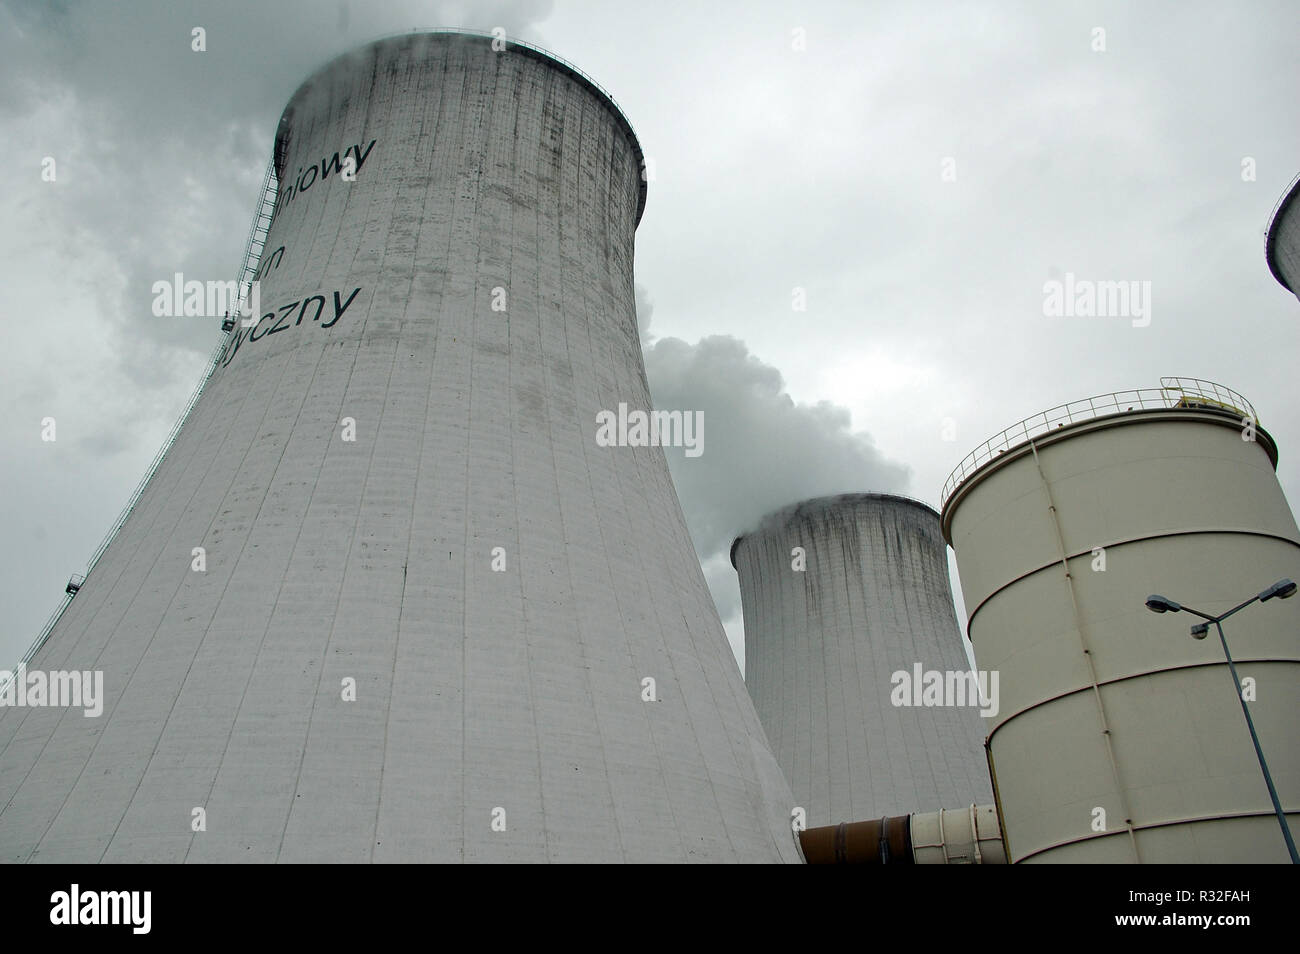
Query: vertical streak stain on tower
x: 822, y: 645
x: 482, y: 178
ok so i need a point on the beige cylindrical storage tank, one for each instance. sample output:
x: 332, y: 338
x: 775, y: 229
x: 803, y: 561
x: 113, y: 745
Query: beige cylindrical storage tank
x: 845, y: 598
x: 1119, y: 737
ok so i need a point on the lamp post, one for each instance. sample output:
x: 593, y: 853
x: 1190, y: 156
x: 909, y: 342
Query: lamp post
x: 1282, y: 589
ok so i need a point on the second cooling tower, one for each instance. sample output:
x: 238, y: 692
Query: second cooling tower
x: 849, y: 621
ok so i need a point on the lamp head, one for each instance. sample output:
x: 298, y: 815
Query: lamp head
x: 1158, y: 604
x: 1199, y: 630
x: 1282, y: 589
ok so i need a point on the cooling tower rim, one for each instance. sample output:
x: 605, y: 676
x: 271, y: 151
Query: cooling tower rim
x: 803, y: 508
x: 552, y: 60
x: 1270, y: 242
x: 1205, y: 415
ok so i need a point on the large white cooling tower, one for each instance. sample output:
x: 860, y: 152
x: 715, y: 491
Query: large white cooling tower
x: 396, y: 481
x: 824, y: 646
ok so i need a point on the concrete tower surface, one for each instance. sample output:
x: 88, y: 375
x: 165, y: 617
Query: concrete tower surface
x: 841, y: 595
x: 437, y: 621
x: 1282, y: 246
x: 1120, y: 738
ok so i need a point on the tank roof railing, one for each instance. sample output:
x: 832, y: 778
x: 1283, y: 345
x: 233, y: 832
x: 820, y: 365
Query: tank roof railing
x: 1173, y: 392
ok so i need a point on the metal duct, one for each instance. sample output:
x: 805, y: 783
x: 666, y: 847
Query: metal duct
x: 963, y: 836
x: 882, y: 841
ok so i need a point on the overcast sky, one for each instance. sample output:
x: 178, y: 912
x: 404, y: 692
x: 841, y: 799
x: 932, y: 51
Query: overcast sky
x: 919, y: 170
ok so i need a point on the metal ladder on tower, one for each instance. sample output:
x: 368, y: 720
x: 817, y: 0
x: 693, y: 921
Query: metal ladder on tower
x: 253, y: 247
x: 255, y: 244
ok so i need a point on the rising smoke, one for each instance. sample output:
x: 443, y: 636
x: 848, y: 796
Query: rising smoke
x: 762, y: 450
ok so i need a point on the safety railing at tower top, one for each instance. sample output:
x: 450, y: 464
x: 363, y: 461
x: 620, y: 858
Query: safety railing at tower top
x: 253, y: 247
x: 502, y: 42
x: 1173, y: 392
x: 1282, y: 200
x: 509, y: 41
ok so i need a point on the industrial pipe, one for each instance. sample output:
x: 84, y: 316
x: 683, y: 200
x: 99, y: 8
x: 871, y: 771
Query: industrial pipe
x: 964, y: 836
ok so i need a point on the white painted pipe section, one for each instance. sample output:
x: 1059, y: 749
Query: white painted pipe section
x: 961, y: 836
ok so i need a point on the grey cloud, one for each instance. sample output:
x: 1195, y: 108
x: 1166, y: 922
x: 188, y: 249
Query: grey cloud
x: 762, y: 450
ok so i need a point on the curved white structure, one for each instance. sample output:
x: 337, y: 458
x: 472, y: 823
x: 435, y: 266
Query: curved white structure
x: 1282, y: 245
x: 396, y: 481
x: 825, y: 646
x: 959, y: 836
x: 1120, y: 738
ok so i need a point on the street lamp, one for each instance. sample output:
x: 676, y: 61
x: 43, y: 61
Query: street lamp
x: 1282, y: 589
